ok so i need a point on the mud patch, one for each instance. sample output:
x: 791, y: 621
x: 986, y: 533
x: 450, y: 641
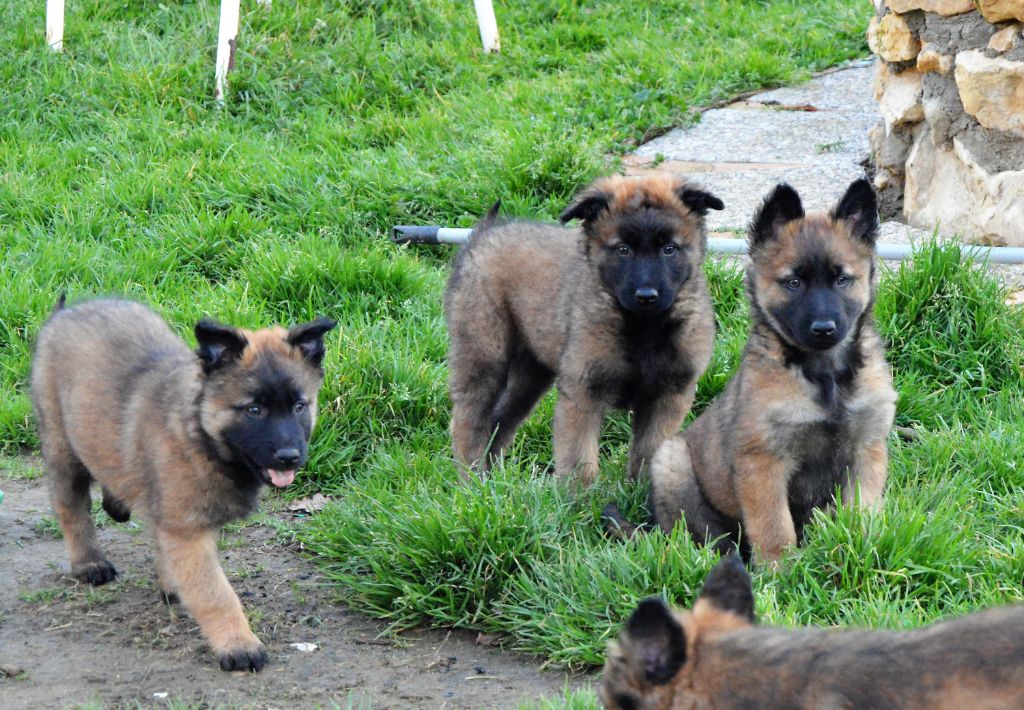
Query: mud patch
x: 64, y: 644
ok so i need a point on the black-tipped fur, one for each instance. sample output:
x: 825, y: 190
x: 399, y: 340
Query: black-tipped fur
x: 657, y: 639
x: 117, y: 510
x: 219, y: 344
x: 859, y: 209
x: 781, y: 206
x: 728, y: 587
x: 700, y: 201
x: 586, y: 207
x: 309, y: 338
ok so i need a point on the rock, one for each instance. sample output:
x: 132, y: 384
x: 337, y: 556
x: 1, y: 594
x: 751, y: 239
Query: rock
x: 1001, y: 10
x: 891, y: 38
x: 930, y: 60
x: 992, y: 90
x: 1005, y: 39
x: 942, y: 7
x: 898, y: 96
x: 889, y: 149
x: 948, y: 186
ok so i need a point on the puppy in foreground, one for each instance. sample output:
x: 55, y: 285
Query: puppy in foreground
x: 715, y: 657
x: 617, y: 312
x: 810, y: 408
x: 186, y: 439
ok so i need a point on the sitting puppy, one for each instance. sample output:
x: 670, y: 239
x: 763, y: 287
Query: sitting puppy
x: 812, y: 403
x: 617, y: 311
x: 187, y: 439
x: 715, y: 657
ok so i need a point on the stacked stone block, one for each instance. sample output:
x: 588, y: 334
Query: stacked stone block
x: 950, y: 88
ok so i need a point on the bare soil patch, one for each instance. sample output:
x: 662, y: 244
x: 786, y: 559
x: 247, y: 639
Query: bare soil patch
x: 64, y: 644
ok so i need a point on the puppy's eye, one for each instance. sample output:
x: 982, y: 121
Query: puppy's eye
x: 793, y: 284
x: 842, y: 280
x: 669, y: 249
x: 623, y: 250
x: 299, y: 407
x: 254, y: 410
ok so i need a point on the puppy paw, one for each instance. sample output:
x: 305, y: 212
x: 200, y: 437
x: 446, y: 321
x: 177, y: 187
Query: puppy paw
x: 244, y: 659
x: 95, y: 573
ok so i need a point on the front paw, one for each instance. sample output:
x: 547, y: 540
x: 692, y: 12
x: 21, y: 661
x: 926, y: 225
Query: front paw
x: 95, y: 573
x: 243, y: 659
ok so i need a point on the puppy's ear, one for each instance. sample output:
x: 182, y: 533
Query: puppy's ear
x: 859, y: 209
x: 728, y: 588
x: 656, y: 641
x: 699, y: 201
x: 309, y: 339
x: 219, y: 345
x: 781, y: 206
x: 587, y: 206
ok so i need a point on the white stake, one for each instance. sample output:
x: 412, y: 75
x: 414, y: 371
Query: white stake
x: 488, y: 25
x: 55, y: 24
x: 227, y: 39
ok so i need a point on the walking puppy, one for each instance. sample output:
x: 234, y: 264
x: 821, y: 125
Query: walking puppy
x: 188, y: 439
x: 714, y: 657
x: 812, y: 403
x: 618, y: 311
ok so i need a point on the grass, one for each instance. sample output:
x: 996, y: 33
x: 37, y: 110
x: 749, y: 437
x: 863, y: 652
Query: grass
x: 516, y: 555
x: 118, y: 174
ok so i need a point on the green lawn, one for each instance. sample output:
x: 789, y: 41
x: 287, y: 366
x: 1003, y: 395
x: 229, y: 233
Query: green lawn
x: 119, y: 175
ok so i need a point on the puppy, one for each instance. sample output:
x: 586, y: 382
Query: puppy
x: 617, y: 313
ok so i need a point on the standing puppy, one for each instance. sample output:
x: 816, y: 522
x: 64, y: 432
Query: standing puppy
x: 188, y: 439
x: 618, y: 311
x: 812, y: 403
x: 715, y: 657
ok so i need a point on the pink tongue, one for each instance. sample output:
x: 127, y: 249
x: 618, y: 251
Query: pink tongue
x: 281, y: 478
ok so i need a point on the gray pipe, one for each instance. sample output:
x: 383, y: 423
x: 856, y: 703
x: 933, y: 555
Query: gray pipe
x: 404, y: 234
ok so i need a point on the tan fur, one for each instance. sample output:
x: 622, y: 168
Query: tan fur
x: 735, y: 464
x: 730, y: 664
x: 525, y: 305
x: 121, y: 400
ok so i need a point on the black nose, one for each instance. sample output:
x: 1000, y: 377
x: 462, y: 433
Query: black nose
x: 823, y: 327
x: 287, y: 457
x: 646, y: 295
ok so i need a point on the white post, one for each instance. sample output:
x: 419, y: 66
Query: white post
x: 488, y: 25
x: 227, y: 39
x: 55, y: 24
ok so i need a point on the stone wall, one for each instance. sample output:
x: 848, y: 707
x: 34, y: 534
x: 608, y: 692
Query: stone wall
x: 950, y: 88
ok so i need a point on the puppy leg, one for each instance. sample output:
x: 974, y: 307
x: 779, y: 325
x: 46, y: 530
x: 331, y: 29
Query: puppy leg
x: 164, y: 578
x: 69, y: 492
x: 762, y: 483
x: 577, y: 426
x: 196, y: 574
x: 654, y: 422
x: 527, y: 382
x: 675, y: 492
x: 868, y: 474
x: 475, y: 388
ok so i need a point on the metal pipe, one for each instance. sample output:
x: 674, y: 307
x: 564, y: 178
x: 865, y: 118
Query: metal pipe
x: 404, y: 234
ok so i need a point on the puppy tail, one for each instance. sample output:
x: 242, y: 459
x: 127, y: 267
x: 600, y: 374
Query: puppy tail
x: 616, y: 526
x: 488, y: 220
x: 61, y: 300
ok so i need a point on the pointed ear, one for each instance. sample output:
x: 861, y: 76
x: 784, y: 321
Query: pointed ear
x: 587, y: 206
x: 859, y: 209
x: 728, y: 587
x: 219, y: 345
x: 657, y: 641
x: 781, y: 206
x: 309, y: 338
x: 699, y: 201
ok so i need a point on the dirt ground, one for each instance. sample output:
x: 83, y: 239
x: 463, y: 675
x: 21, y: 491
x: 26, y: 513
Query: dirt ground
x: 63, y: 644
